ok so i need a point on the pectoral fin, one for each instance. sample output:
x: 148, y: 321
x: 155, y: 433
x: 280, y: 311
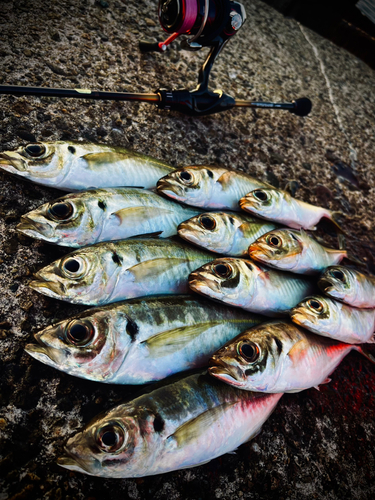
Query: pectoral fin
x: 298, y: 352
x: 135, y: 216
x: 155, y: 268
x: 105, y: 158
x: 168, y: 342
x: 195, y: 429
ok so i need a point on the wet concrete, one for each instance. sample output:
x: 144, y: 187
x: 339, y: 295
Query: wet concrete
x: 317, y: 444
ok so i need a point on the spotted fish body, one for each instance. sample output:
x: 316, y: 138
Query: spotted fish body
x: 279, y: 357
x: 294, y: 251
x: 349, y: 286
x: 89, y: 217
x: 72, y: 166
x: 223, y: 232
x: 279, y: 206
x: 110, y: 272
x: 177, y: 425
x: 242, y: 283
x: 140, y: 340
x: 335, y: 320
x: 208, y: 187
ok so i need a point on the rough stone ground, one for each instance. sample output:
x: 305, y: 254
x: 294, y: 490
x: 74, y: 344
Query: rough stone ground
x: 316, y: 444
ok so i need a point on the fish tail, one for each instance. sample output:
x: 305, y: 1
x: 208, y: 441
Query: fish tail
x: 335, y: 218
x: 347, y: 255
x: 366, y: 353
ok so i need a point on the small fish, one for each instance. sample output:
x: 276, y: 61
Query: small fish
x: 294, y: 251
x: 226, y: 233
x: 208, y: 187
x: 97, y: 215
x: 179, y: 424
x: 349, y: 286
x: 279, y: 206
x: 279, y: 357
x: 72, y: 166
x: 140, y: 340
x: 243, y: 283
x: 335, y: 320
x: 110, y: 272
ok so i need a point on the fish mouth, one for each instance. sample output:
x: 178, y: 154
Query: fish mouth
x: 202, y: 286
x: 168, y: 188
x: 35, y: 229
x: 257, y: 252
x: 39, y: 353
x: 245, y: 203
x: 12, y: 164
x: 300, y: 316
x: 224, y: 372
x: 325, y: 285
x: 69, y: 462
x: 53, y: 289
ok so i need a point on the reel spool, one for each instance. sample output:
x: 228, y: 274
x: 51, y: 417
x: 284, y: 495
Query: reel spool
x: 202, y: 20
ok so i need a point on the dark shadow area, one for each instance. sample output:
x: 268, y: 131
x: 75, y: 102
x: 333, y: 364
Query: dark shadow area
x: 338, y: 20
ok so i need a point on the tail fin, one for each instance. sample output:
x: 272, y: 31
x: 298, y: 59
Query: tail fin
x: 335, y: 217
x: 348, y: 256
x: 366, y: 353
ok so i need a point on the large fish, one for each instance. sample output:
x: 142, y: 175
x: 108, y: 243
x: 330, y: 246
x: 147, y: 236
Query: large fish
x: 294, y: 251
x: 243, y: 283
x: 109, y: 272
x: 349, y: 286
x: 208, y: 187
x: 140, y: 340
x: 97, y: 215
x: 72, y: 166
x: 177, y: 425
x: 224, y: 232
x: 279, y: 357
x: 335, y: 320
x: 279, y: 206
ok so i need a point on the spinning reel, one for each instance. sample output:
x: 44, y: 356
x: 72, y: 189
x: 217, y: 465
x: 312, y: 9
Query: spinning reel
x: 206, y: 23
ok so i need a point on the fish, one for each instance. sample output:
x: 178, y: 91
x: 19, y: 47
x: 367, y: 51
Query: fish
x: 223, y: 232
x: 208, y: 187
x: 294, y: 251
x: 243, y: 283
x: 113, y: 271
x: 180, y: 424
x: 279, y: 206
x: 140, y: 340
x: 335, y: 320
x: 73, y: 166
x: 349, y: 286
x: 97, y: 215
x: 279, y: 357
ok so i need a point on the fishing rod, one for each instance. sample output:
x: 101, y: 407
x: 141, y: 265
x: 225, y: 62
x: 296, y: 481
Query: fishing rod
x: 209, y: 23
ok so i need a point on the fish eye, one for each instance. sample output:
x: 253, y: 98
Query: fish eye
x: 260, y: 195
x: 73, y: 267
x: 80, y: 333
x: 186, y: 177
x: 249, y: 351
x: 273, y: 240
x: 315, y: 305
x: 222, y: 270
x: 207, y: 222
x: 338, y: 275
x: 35, y: 150
x: 111, y: 438
x: 61, y: 210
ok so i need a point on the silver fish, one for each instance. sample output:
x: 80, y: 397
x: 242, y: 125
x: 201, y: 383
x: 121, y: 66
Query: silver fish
x: 294, y: 251
x: 183, y: 424
x: 225, y: 233
x: 140, y: 340
x: 279, y: 357
x: 97, y: 215
x: 279, y: 206
x: 335, y: 320
x: 72, y: 166
x: 242, y: 283
x: 349, y: 286
x: 208, y: 187
x: 109, y: 272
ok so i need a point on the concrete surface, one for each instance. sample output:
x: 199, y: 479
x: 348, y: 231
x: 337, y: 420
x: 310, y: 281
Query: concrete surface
x: 317, y: 444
